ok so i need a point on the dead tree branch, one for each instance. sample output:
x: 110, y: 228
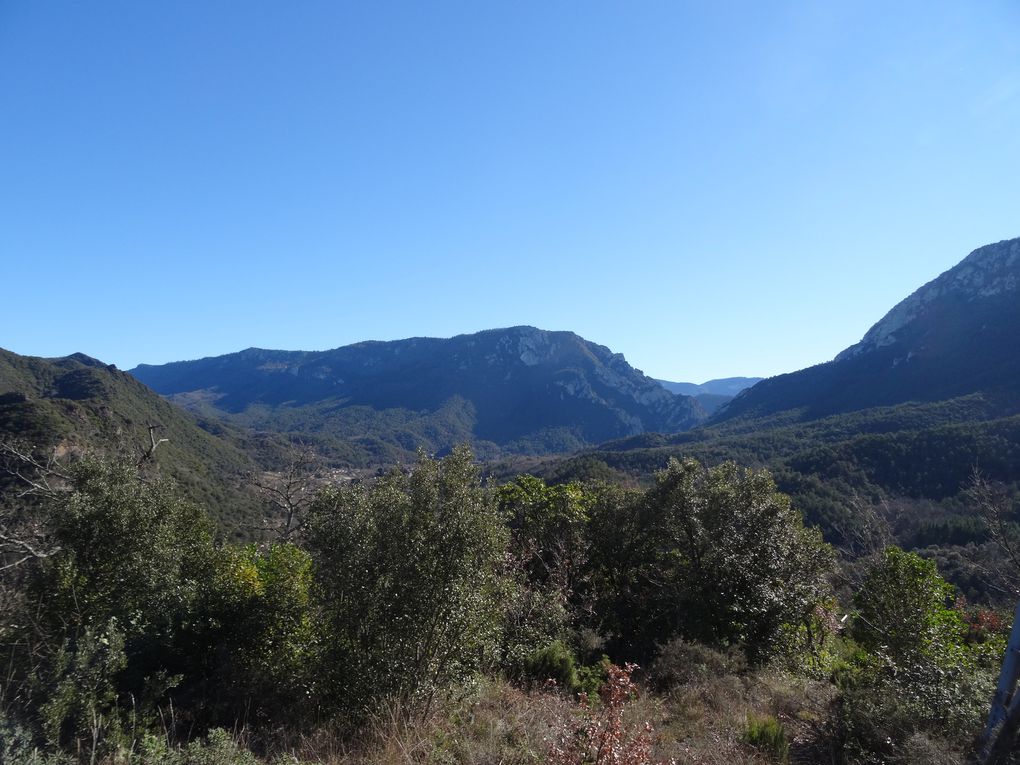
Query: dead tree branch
x: 148, y: 453
x: 289, y: 492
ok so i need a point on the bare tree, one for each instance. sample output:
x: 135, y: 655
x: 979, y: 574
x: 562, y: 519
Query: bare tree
x: 38, y: 474
x: 996, y: 505
x: 865, y: 536
x: 149, y: 451
x: 289, y: 492
x: 30, y: 474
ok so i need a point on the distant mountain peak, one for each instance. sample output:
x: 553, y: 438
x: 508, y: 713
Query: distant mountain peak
x: 86, y: 360
x: 955, y: 336
x: 987, y: 272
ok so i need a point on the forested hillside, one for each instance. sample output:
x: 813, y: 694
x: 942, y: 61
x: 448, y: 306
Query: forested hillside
x: 897, y: 430
x: 518, y: 390
x: 79, y: 405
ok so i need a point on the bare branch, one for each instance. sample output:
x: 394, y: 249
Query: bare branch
x: 289, y: 492
x: 148, y: 453
x: 39, y: 476
x: 994, y: 503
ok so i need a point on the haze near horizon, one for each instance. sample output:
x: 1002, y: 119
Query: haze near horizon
x: 712, y: 192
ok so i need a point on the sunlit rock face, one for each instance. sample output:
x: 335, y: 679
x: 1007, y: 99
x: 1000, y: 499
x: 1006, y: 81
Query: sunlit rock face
x: 989, y: 272
x: 957, y: 335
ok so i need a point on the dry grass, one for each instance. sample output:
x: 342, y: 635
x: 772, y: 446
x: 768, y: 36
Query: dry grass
x: 702, y: 722
x: 699, y: 722
x: 495, y: 723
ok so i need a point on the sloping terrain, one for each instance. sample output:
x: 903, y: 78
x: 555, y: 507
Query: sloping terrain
x: 888, y: 435
x: 959, y: 334
x: 520, y: 390
x: 78, y: 404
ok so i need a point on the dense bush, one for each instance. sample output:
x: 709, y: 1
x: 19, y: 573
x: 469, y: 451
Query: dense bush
x: 259, y: 642
x: 408, y: 575
x: 138, y: 637
x: 918, y: 679
x: 103, y: 632
x: 547, y: 554
x: 680, y: 662
x: 721, y: 557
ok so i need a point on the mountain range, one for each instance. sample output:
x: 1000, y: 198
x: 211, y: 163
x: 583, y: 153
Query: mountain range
x: 882, y: 443
x: 899, y: 420
x: 725, y: 386
x: 712, y: 395
x: 519, y: 389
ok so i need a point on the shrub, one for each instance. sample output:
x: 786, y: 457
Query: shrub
x: 601, y: 737
x: 766, y: 734
x: 217, y: 748
x: 553, y: 662
x: 681, y: 662
x: 260, y: 636
x: 17, y: 745
x: 112, y: 610
x: 916, y: 679
x: 724, y: 559
x: 407, y: 572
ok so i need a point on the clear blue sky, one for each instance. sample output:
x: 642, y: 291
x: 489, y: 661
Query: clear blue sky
x: 711, y: 189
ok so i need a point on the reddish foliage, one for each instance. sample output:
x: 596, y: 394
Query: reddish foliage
x: 982, y: 623
x: 601, y: 737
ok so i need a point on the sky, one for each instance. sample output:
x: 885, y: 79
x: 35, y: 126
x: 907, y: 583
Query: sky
x: 712, y: 189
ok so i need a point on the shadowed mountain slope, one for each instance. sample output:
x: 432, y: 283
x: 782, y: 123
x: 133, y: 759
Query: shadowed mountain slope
x: 520, y: 388
x: 957, y: 335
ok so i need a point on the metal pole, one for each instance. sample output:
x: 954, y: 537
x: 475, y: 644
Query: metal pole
x: 1004, y: 716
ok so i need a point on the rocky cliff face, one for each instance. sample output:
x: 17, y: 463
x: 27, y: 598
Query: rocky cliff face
x: 519, y: 382
x: 989, y: 273
x: 959, y: 334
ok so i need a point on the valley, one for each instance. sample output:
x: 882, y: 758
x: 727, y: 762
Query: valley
x: 633, y: 511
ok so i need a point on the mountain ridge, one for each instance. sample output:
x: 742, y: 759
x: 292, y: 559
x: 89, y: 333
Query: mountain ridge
x: 954, y: 336
x: 520, y: 384
x: 722, y: 386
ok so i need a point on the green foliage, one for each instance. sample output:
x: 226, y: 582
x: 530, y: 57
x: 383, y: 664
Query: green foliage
x: 547, y: 524
x: 18, y: 745
x: 766, y: 734
x: 918, y: 677
x: 553, y: 662
x: 130, y: 550
x: 83, y: 699
x: 100, y: 636
x: 681, y: 662
x: 903, y: 611
x: 914, y: 459
x: 217, y: 748
x: 726, y: 559
x: 548, y: 550
x: 408, y: 574
x: 260, y: 633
